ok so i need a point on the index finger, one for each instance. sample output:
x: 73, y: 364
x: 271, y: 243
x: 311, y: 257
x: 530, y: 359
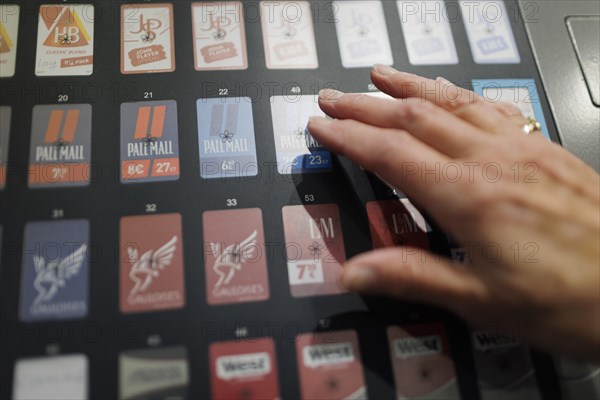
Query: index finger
x: 397, y: 157
x: 405, y: 85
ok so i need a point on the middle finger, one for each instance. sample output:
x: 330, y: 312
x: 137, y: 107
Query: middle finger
x: 430, y: 124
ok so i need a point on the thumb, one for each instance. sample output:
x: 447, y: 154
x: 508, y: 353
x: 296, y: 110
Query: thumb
x: 415, y: 275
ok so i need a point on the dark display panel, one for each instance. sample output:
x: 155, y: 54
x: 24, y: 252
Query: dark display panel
x: 192, y: 211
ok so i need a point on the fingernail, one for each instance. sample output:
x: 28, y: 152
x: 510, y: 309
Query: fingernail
x: 359, y: 278
x: 384, y: 69
x: 330, y: 94
x: 444, y: 80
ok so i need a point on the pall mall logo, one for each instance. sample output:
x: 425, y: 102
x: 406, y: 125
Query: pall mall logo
x: 150, y: 123
x: 62, y: 127
x: 64, y: 27
x: 149, y: 150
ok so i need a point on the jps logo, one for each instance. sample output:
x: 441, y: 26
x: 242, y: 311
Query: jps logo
x: 148, y: 27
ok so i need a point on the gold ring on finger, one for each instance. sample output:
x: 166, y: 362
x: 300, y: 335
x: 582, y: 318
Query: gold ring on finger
x: 531, y: 126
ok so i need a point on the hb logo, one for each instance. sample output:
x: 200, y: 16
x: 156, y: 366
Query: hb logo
x: 66, y: 34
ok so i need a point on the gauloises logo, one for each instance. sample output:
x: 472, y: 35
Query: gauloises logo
x: 230, y: 259
x: 149, y: 141
x: 60, y: 146
x: 151, y: 263
x: 236, y: 268
x: 55, y: 270
x: 64, y: 27
x: 148, y: 267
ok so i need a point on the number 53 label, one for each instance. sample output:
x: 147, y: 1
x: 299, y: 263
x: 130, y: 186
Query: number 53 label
x: 149, y: 141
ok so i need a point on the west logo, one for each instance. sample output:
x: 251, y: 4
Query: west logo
x: 241, y: 366
x: 244, y: 369
x: 328, y: 354
x: 417, y: 346
x: 484, y: 340
x: 422, y: 365
x: 149, y: 142
x: 154, y: 373
x: 330, y: 366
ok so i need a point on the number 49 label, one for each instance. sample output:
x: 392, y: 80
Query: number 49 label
x: 149, y: 141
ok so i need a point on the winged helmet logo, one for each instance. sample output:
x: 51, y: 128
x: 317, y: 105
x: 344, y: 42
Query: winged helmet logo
x: 230, y: 260
x: 148, y: 266
x: 53, y: 276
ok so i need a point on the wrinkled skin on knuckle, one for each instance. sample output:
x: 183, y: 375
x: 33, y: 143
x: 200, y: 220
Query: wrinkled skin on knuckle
x: 338, y: 129
x: 354, y: 105
x: 508, y: 109
x: 387, y: 160
x: 416, y: 110
x: 481, y: 199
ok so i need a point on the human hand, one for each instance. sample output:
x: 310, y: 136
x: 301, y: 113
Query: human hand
x: 528, y: 210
